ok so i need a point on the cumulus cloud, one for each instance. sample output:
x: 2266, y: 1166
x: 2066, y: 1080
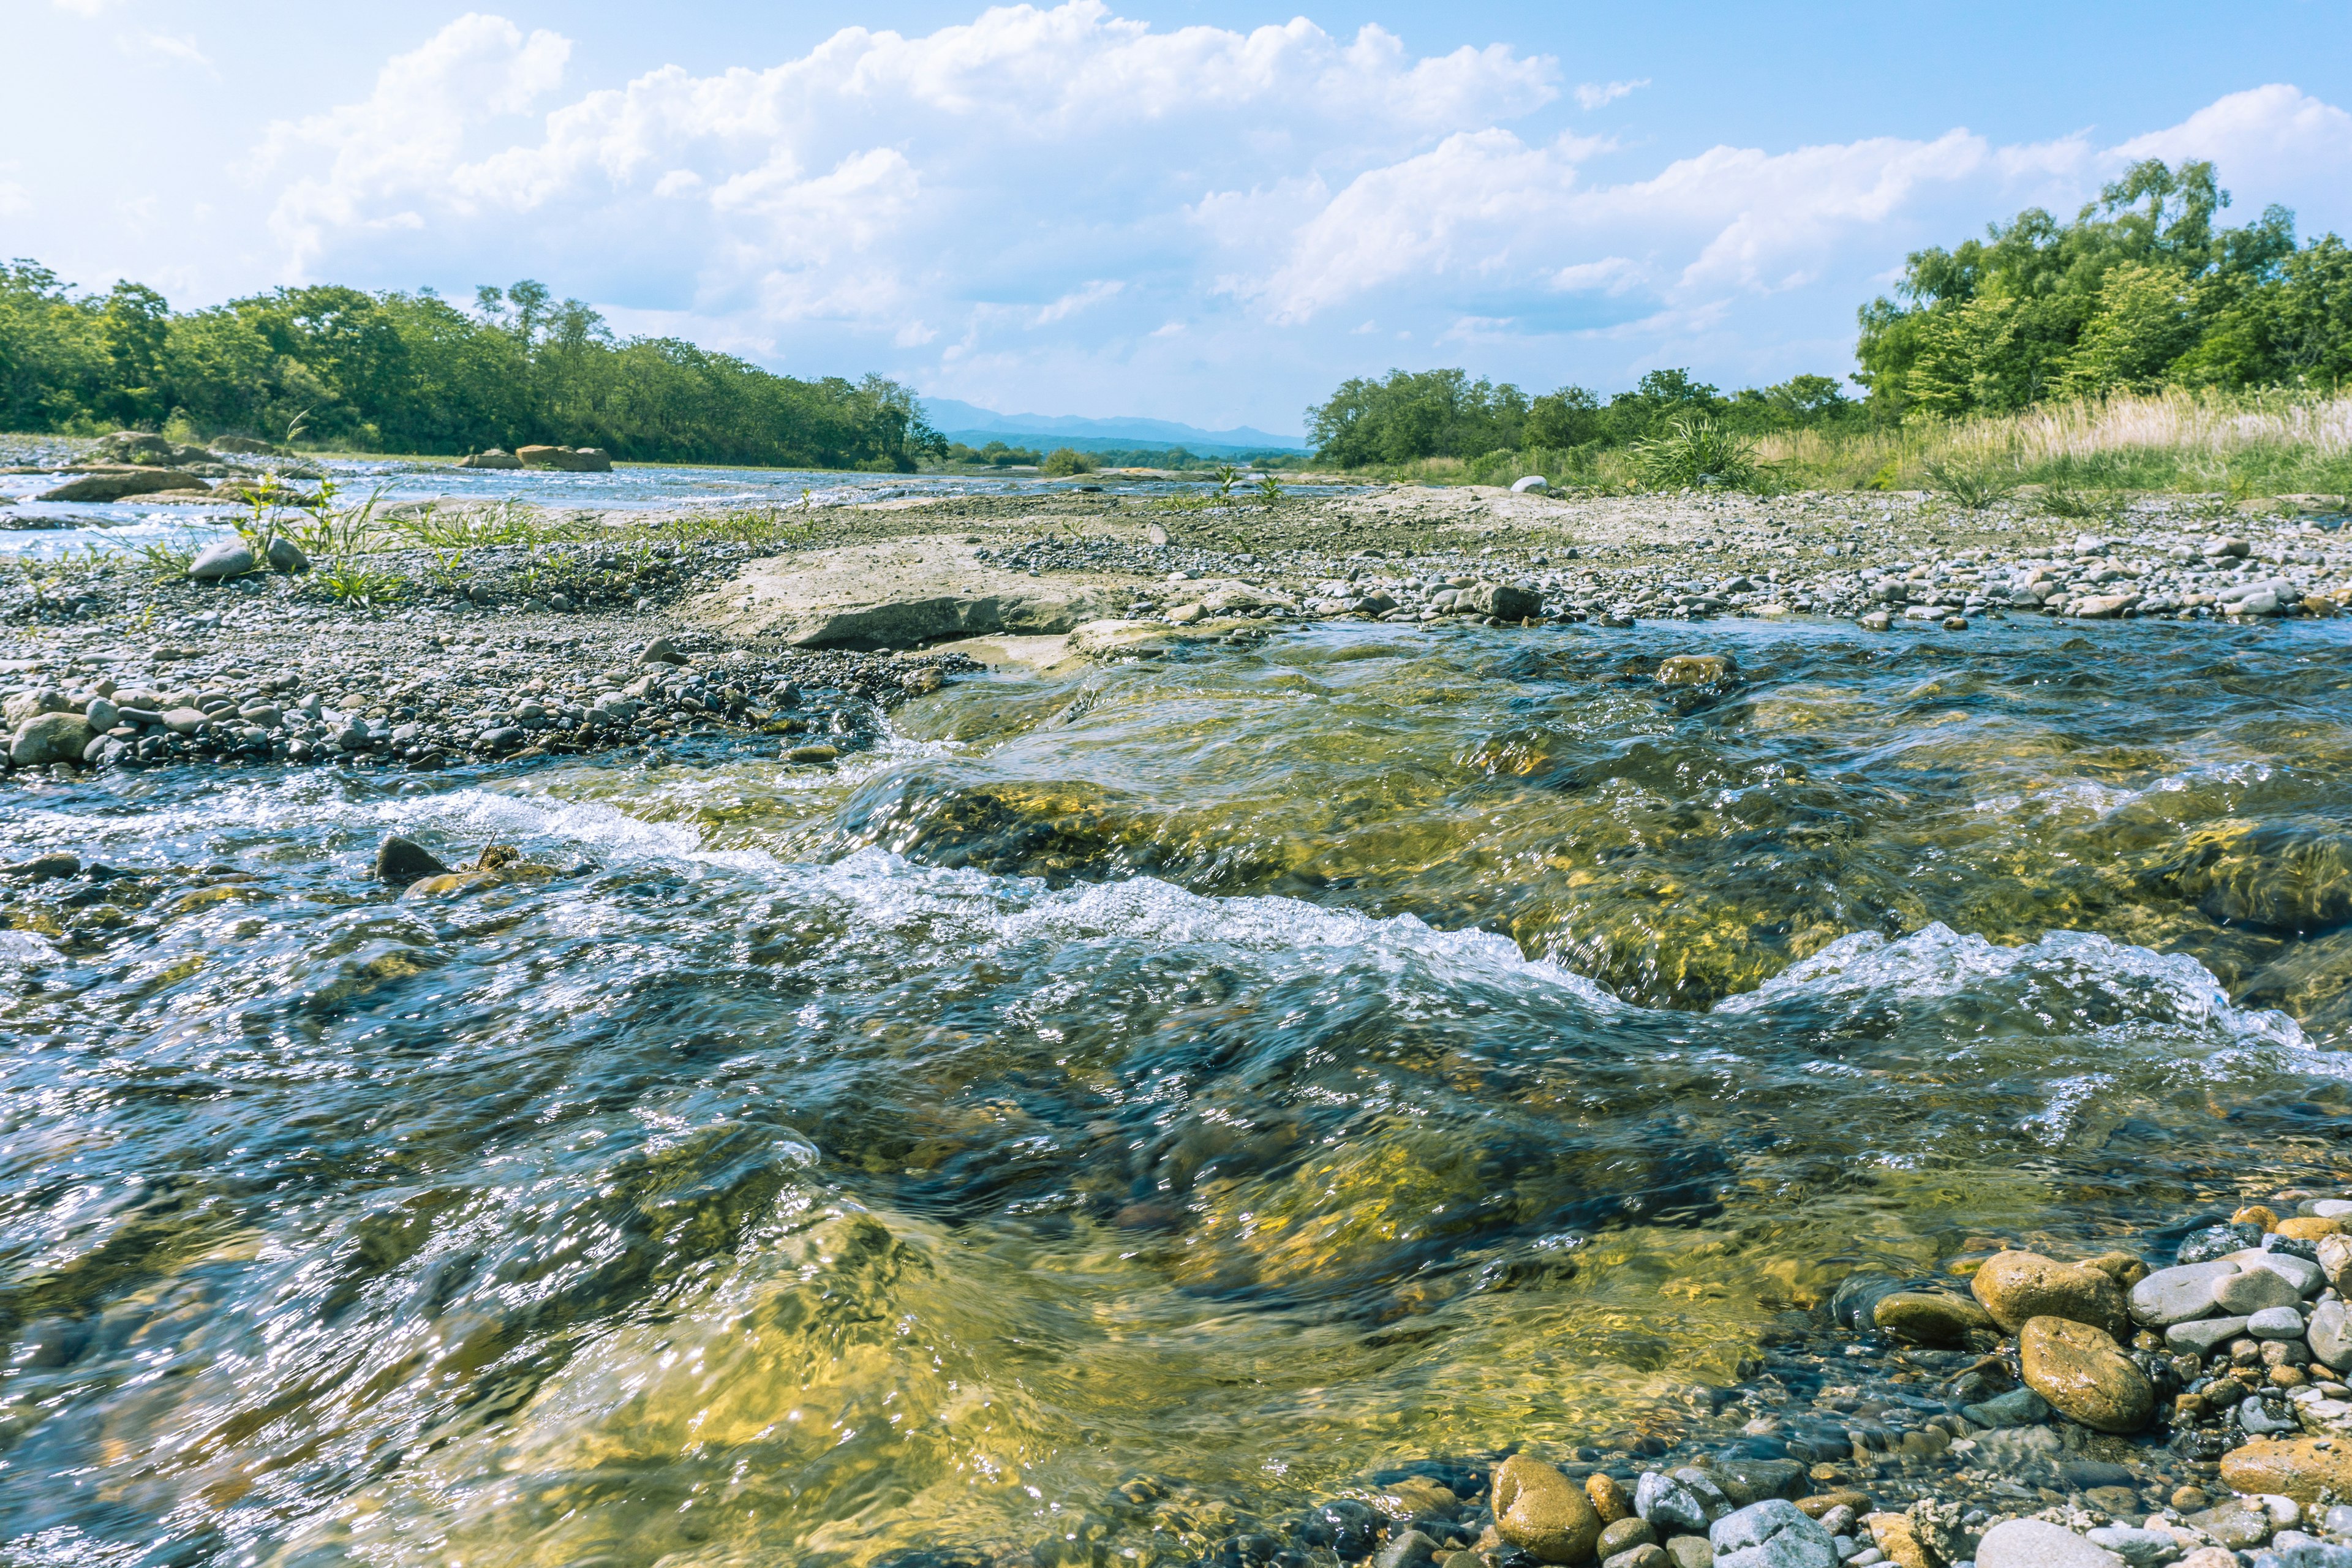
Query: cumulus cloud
x: 1052, y: 204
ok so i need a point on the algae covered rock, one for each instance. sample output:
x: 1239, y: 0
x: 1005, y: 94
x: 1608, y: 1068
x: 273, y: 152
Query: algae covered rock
x: 2084, y: 1375
x: 2015, y: 1287
x: 1543, y: 1512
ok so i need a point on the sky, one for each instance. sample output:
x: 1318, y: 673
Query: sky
x: 1203, y: 210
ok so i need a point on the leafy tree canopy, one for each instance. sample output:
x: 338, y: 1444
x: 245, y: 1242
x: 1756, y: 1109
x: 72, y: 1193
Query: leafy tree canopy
x: 411, y: 372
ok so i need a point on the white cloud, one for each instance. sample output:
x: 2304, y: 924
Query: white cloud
x: 13, y: 199
x: 2275, y: 132
x: 1053, y: 204
x: 179, y: 46
x: 1593, y: 95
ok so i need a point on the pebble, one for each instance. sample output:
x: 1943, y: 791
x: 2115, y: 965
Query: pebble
x: 2200, y: 1336
x: 1609, y: 1497
x: 2275, y: 1324
x: 1625, y: 1535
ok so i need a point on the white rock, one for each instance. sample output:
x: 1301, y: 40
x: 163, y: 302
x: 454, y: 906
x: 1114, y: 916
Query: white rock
x: 1770, y: 1535
x: 2330, y: 1333
x: 1532, y: 482
x: 2203, y: 1334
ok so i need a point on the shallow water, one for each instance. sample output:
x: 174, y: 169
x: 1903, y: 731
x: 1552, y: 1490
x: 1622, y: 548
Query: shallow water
x: 47, y: 530
x: 1254, y: 1070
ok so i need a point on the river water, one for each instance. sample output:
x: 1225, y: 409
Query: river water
x: 1246, y: 1072
x: 47, y: 529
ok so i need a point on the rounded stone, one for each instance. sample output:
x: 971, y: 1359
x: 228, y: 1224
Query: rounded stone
x: 2309, y: 1227
x: 2017, y: 1286
x: 1930, y: 1318
x: 2301, y: 1468
x: 224, y: 558
x: 2329, y: 1334
x: 1694, y: 669
x: 1625, y: 1535
x: 1609, y: 1497
x: 2275, y: 1324
x: 2255, y: 1214
x: 1543, y: 1512
x: 2035, y: 1543
x: 2250, y: 1290
x: 2084, y: 1375
x: 2181, y: 1294
x: 1649, y: 1555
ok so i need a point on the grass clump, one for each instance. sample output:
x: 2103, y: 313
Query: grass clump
x: 1694, y: 451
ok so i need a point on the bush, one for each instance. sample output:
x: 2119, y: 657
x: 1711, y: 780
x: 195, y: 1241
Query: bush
x: 1064, y: 461
x: 1694, y: 451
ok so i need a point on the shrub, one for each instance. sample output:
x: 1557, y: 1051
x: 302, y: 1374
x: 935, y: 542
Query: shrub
x: 1694, y: 451
x: 1064, y: 461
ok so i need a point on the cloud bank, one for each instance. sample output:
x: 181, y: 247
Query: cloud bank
x: 1063, y: 205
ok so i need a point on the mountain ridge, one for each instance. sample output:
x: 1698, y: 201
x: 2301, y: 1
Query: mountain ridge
x: 953, y: 418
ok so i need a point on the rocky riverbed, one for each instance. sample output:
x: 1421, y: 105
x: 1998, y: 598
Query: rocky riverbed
x: 1404, y: 1026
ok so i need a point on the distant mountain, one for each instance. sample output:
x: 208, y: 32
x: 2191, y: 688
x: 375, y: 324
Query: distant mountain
x: 963, y: 421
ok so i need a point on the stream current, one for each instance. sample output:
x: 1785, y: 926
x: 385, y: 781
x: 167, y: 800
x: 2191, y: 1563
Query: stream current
x: 1245, y: 1070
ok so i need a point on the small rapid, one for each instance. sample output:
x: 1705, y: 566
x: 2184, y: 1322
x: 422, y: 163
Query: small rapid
x: 1245, y: 1072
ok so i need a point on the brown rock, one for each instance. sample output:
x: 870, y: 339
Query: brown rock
x: 2309, y: 1227
x: 1894, y: 1535
x: 123, y: 483
x: 1930, y: 1318
x: 1820, y: 1503
x: 401, y: 861
x: 2083, y: 1372
x: 1625, y: 1535
x: 1609, y: 1497
x: 2255, y: 1214
x: 2120, y: 1267
x: 2017, y: 1286
x: 2210, y: 1557
x: 1543, y: 1512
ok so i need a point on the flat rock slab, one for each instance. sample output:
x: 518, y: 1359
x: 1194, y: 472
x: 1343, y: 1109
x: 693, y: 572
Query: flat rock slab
x: 903, y: 592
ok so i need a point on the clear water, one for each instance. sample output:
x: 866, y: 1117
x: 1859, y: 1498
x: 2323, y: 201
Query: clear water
x: 1249, y: 1070
x: 115, y: 525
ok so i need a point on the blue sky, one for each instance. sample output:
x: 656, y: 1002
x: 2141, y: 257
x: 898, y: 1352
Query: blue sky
x: 1203, y: 212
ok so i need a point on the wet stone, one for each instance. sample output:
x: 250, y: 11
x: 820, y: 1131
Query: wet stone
x: 2035, y: 1543
x: 2217, y: 1241
x: 2083, y: 1372
x: 2198, y: 1337
x: 1625, y: 1535
x: 1771, y: 1534
x: 400, y: 861
x: 2180, y: 1294
x: 2275, y: 1324
x: 1672, y: 1504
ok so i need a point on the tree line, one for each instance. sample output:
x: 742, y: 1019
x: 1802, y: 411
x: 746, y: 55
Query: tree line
x: 2143, y: 291
x: 411, y: 372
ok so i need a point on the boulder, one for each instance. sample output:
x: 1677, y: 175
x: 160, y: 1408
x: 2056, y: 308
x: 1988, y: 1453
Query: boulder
x: 2035, y: 1543
x: 242, y: 447
x: 223, y: 558
x: 1771, y: 1534
x: 1505, y: 601
x: 1931, y: 1318
x: 1542, y: 1512
x: 143, y: 449
x: 565, y: 460
x: 2309, y: 1470
x: 285, y: 555
x: 2017, y: 1286
x: 49, y: 738
x: 495, y: 458
x: 2084, y: 1375
x: 1534, y: 483
x: 123, y: 483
